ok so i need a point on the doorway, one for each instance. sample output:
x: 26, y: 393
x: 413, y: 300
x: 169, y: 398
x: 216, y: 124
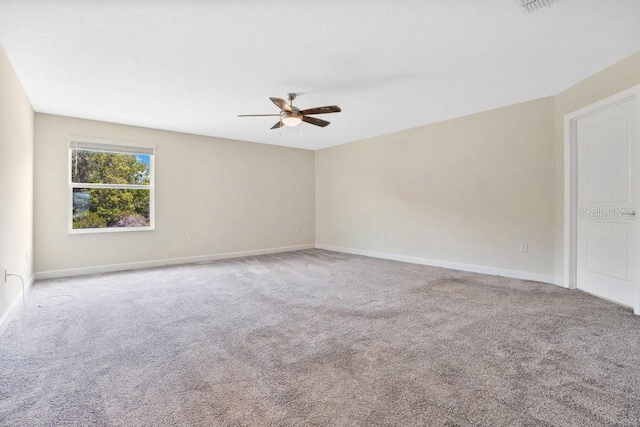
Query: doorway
x: 602, y: 198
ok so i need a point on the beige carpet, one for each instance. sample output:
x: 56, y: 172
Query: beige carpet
x: 316, y: 338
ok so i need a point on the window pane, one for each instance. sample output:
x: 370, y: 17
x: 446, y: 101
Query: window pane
x: 94, y: 167
x: 107, y: 208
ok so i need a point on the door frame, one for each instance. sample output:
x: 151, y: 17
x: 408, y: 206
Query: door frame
x: 571, y: 181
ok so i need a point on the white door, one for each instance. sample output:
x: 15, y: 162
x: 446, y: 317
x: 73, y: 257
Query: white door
x: 608, y: 186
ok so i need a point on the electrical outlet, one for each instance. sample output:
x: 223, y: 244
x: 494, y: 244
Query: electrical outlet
x: 297, y: 231
x: 382, y: 236
x: 524, y: 247
x: 191, y: 238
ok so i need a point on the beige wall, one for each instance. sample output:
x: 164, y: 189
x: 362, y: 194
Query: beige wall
x: 16, y: 184
x: 232, y: 195
x: 614, y: 79
x: 468, y: 190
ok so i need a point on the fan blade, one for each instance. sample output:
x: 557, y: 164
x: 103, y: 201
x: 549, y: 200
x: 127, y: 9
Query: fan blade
x: 258, y: 115
x: 314, y: 121
x: 277, y: 125
x: 282, y: 104
x: 322, y: 110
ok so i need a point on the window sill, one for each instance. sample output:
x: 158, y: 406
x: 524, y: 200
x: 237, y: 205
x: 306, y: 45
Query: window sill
x: 109, y: 230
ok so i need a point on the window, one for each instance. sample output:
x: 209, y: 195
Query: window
x: 110, y: 187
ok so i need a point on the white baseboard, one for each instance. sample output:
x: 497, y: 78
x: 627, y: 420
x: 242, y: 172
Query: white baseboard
x: 54, y: 274
x: 493, y: 271
x: 559, y: 281
x: 515, y: 274
x: 13, y: 308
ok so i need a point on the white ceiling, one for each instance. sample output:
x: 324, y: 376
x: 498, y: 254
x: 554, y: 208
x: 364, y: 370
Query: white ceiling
x: 193, y: 65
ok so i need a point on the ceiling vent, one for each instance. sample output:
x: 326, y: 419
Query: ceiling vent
x: 528, y: 6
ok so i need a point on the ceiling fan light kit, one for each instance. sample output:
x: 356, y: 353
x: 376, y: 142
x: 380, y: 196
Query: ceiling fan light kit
x: 291, y: 116
x: 291, y: 119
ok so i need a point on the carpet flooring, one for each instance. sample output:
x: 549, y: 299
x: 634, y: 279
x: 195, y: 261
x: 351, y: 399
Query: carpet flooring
x: 317, y: 338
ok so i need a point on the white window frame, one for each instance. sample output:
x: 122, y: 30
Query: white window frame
x: 73, y: 142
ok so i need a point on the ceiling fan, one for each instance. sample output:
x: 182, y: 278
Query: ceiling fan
x: 292, y: 116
